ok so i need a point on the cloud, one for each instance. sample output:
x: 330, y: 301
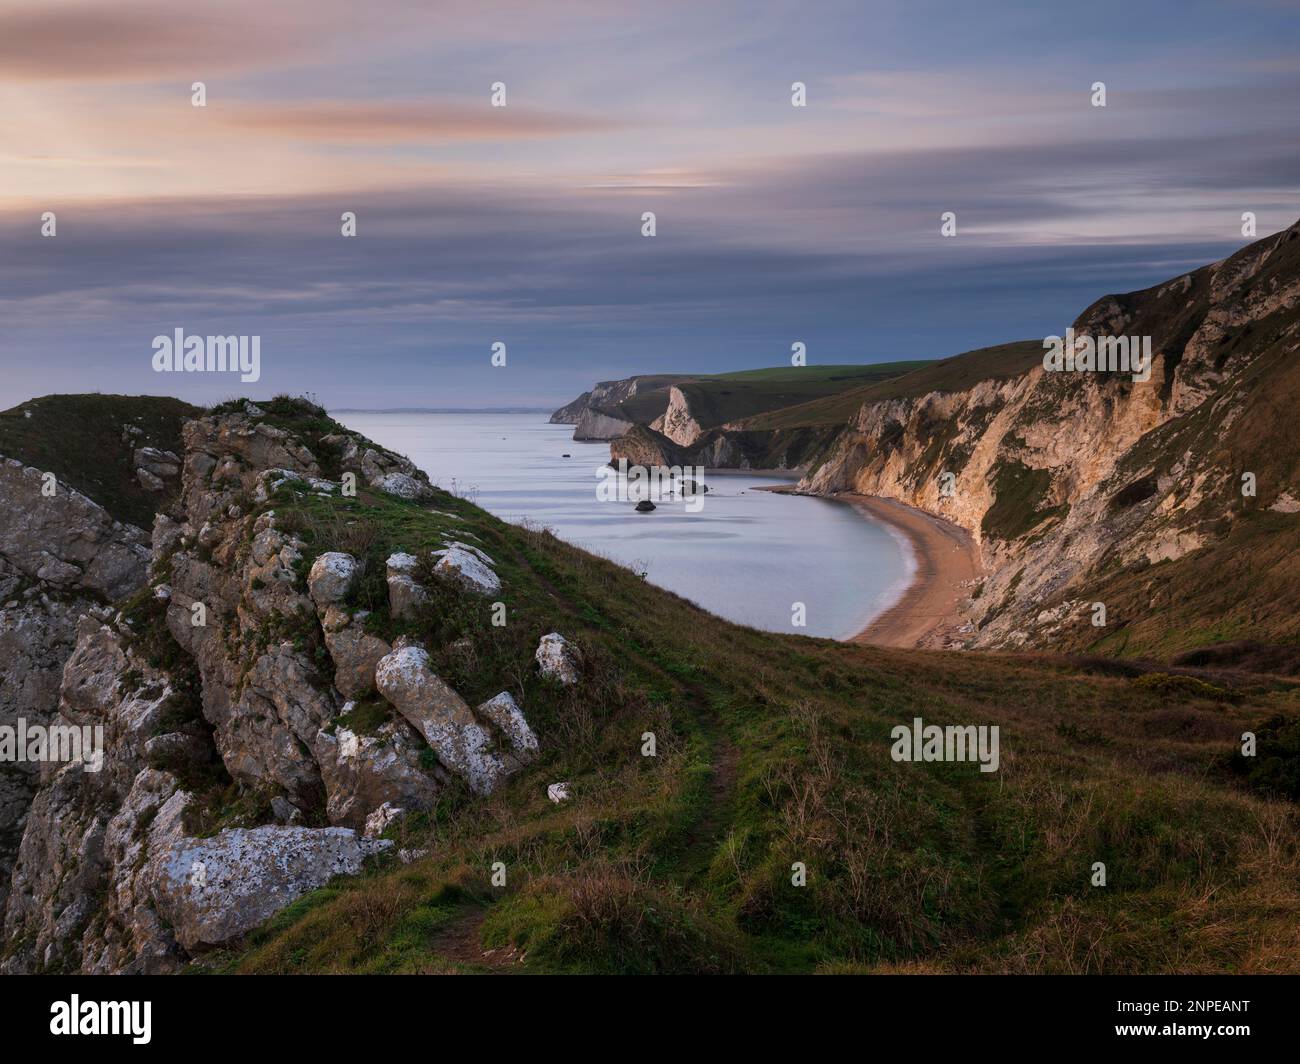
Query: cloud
x: 132, y: 43
x: 397, y: 122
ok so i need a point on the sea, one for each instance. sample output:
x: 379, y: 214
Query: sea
x: 755, y: 557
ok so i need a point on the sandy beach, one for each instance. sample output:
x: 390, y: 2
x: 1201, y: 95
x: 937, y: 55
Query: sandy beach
x: 945, y: 554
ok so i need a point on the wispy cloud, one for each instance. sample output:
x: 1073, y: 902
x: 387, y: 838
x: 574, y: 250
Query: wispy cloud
x: 405, y: 122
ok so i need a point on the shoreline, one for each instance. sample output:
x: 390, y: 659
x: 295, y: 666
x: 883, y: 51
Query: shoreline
x: 945, y: 557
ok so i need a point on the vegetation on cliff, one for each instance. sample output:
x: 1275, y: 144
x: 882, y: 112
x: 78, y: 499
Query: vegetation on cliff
x: 774, y: 750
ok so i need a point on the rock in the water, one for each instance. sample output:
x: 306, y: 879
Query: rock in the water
x: 331, y: 577
x: 213, y: 890
x: 558, y: 659
x: 645, y: 506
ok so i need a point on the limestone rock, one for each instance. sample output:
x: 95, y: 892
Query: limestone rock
x: 405, y: 593
x: 404, y: 486
x: 331, y: 577
x: 213, y: 890
x: 363, y: 772
x: 468, y: 568
x: 65, y: 539
x: 559, y: 659
x: 504, y: 712
x: 407, y: 680
x: 378, y: 822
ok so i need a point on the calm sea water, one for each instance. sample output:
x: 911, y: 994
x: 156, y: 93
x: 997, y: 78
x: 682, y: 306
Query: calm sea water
x: 746, y: 555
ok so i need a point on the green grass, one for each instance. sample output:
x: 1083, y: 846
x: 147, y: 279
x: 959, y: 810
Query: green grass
x: 1017, y: 506
x: 944, y: 375
x: 774, y: 749
x: 717, y: 399
x: 79, y: 439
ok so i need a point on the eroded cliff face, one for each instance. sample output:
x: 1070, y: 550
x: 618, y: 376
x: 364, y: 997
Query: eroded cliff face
x: 61, y: 555
x: 598, y: 414
x: 236, y: 669
x: 1064, y: 475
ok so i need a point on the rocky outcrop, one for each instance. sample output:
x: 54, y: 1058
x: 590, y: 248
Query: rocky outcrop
x: 61, y: 556
x: 78, y: 899
x: 155, y: 469
x: 570, y: 412
x: 600, y: 425
x: 463, y: 741
x: 725, y: 448
x: 599, y: 413
x: 378, y: 467
x: 677, y: 422
x: 405, y: 593
x: 264, y: 675
x: 54, y: 535
x: 213, y: 890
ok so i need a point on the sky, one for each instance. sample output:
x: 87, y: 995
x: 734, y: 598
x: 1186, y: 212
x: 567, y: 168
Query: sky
x: 522, y: 224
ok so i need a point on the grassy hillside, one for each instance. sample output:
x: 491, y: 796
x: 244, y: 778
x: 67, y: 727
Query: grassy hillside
x: 775, y: 749
x: 733, y: 397
x: 79, y: 438
x: 716, y: 399
x: 949, y: 375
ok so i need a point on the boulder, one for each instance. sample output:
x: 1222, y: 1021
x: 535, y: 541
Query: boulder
x: 355, y: 652
x: 363, y: 772
x: 504, y: 712
x: 404, y: 486
x: 214, y: 890
x: 467, y: 568
x: 405, y: 593
x: 407, y: 680
x: 559, y: 659
x: 331, y: 578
